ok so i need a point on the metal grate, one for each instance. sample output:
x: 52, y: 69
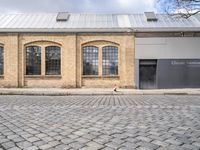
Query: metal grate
x: 63, y: 16
x: 151, y: 16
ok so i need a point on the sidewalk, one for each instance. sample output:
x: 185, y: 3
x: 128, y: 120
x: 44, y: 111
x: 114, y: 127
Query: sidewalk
x: 94, y: 91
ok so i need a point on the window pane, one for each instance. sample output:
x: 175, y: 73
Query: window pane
x: 90, y: 60
x: 53, y: 60
x: 33, y: 60
x: 1, y: 61
x: 110, y: 60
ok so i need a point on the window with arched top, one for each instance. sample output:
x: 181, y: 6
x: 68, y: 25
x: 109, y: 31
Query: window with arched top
x: 1, y: 60
x: 110, y: 60
x: 90, y: 60
x: 33, y: 60
x: 53, y: 60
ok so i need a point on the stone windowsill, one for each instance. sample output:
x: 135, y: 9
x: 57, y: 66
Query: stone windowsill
x: 43, y: 76
x: 100, y: 77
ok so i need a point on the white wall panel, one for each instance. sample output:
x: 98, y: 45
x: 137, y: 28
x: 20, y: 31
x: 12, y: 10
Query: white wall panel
x: 167, y: 48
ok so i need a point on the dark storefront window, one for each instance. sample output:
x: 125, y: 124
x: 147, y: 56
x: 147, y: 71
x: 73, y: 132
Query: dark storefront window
x: 90, y: 60
x: 53, y: 60
x: 110, y: 60
x: 33, y: 60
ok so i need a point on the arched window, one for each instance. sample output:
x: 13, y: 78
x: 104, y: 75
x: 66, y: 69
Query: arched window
x: 1, y: 61
x: 53, y: 60
x: 33, y: 60
x: 110, y: 60
x: 90, y: 60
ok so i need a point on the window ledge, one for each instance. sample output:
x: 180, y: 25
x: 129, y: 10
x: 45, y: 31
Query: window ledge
x: 1, y: 76
x: 44, y: 76
x: 90, y: 76
x: 93, y: 76
x: 111, y: 76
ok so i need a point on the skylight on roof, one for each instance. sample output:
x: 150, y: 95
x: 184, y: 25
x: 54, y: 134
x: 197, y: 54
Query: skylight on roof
x: 151, y: 16
x: 63, y: 16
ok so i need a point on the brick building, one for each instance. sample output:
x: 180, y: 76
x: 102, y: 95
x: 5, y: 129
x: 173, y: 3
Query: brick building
x: 99, y: 50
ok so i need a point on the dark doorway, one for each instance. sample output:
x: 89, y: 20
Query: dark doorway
x: 148, y: 74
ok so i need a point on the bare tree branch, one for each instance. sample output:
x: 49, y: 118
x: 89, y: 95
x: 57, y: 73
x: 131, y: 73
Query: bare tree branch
x: 182, y: 8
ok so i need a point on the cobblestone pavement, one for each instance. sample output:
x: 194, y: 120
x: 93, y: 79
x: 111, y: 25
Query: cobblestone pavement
x: 100, y: 122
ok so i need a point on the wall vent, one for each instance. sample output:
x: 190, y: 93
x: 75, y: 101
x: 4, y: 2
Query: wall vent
x: 63, y: 16
x: 151, y: 16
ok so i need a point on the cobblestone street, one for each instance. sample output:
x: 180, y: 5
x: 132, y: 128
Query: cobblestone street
x: 143, y: 122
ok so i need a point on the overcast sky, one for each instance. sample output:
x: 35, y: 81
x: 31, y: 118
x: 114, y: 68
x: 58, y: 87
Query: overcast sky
x: 96, y: 6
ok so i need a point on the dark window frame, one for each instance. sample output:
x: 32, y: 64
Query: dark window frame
x: 90, y: 60
x: 1, y: 60
x: 52, y: 66
x: 33, y: 68
x: 110, y: 56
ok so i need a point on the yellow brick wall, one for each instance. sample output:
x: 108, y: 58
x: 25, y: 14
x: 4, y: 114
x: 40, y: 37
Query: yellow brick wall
x: 125, y: 44
x: 71, y: 60
x: 10, y: 44
x: 67, y: 42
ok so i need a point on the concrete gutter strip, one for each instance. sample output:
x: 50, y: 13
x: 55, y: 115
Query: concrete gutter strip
x: 94, y: 91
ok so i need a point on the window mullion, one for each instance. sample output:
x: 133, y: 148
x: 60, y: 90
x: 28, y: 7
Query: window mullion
x: 43, y: 63
x: 100, y: 61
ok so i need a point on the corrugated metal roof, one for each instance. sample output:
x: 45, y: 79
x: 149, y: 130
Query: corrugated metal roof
x: 95, y: 23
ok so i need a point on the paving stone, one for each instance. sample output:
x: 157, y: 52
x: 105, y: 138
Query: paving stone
x: 113, y: 145
x: 196, y: 144
x: 148, y: 145
x: 32, y: 148
x: 146, y: 139
x: 78, y: 133
x: 101, y: 141
x: 143, y: 148
x: 19, y: 139
x: 191, y: 147
x: 46, y: 146
x: 39, y: 143
x: 88, y: 136
x: 94, y: 145
x: 107, y: 148
x: 47, y: 138
x: 24, y: 144
x: 129, y: 145
x: 111, y: 122
x: 67, y: 140
x: 126, y: 148
x: 54, y: 143
x: 33, y: 139
x: 160, y: 143
x: 82, y: 140
x: 13, y: 136
x: 41, y: 135
x: 4, y: 140
x: 116, y: 140
x: 76, y: 145
x: 174, y: 142
x: 8, y: 145
x: 62, y: 147
x: 58, y: 137
x: 13, y: 148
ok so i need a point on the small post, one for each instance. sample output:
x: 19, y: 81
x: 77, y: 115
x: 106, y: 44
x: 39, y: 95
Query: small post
x: 115, y: 88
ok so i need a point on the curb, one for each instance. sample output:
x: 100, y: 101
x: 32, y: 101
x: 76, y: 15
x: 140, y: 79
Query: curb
x: 95, y: 93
